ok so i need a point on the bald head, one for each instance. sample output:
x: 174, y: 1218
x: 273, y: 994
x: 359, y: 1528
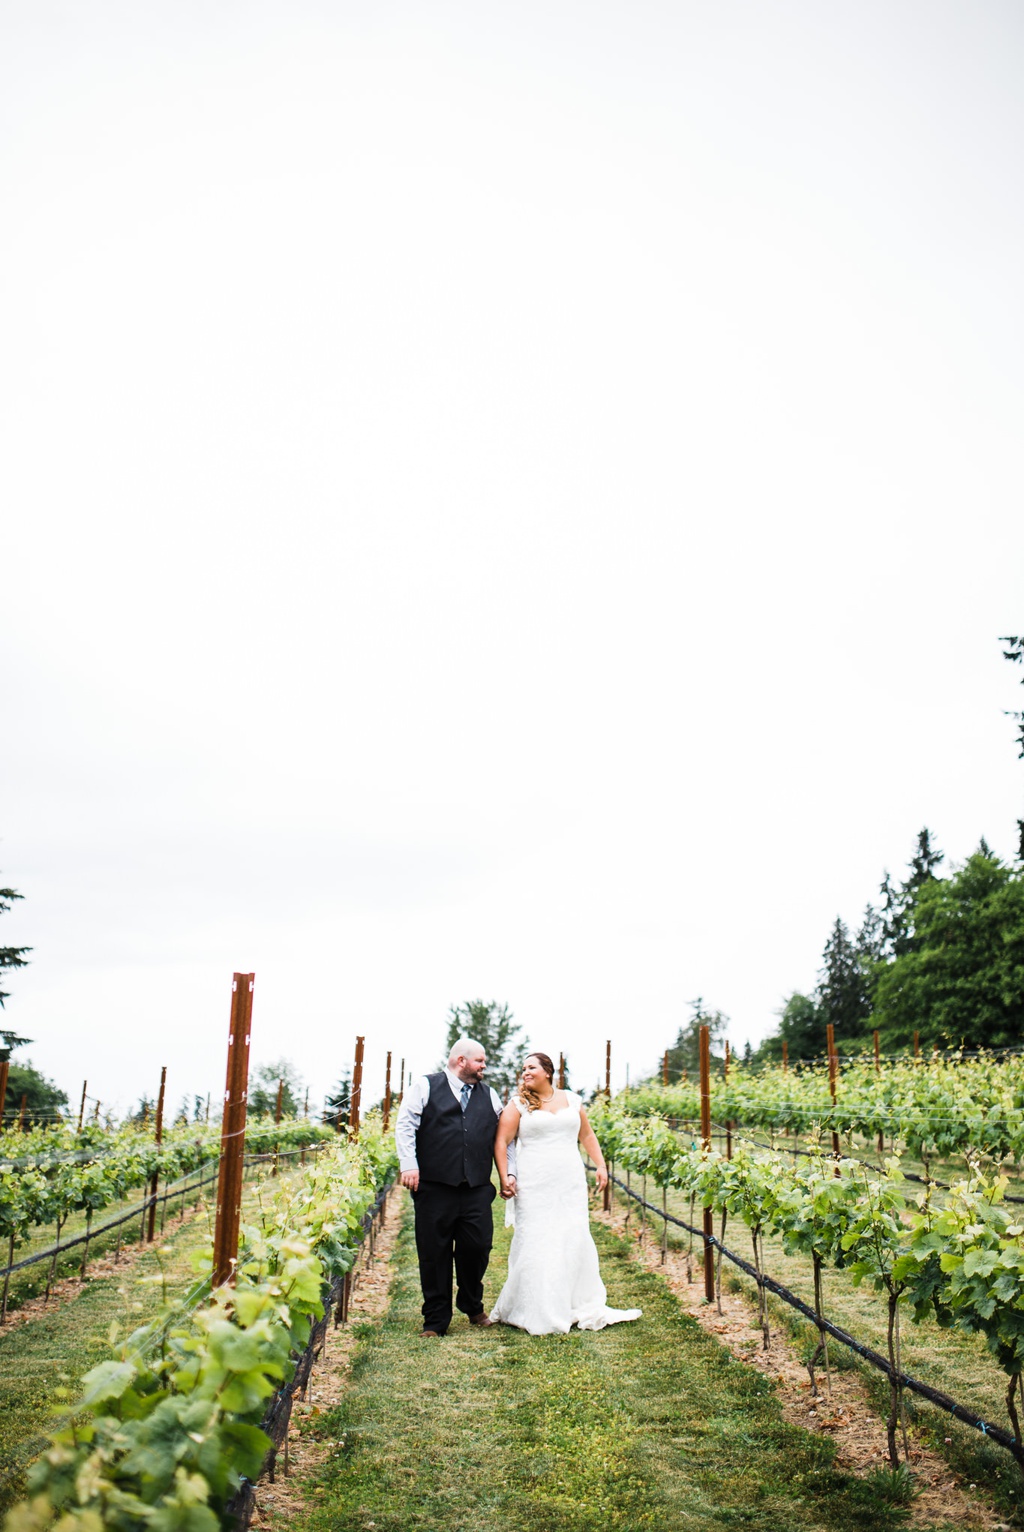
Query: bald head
x: 467, y: 1060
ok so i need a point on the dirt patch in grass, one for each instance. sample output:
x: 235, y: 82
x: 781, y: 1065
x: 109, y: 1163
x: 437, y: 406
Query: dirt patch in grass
x: 844, y: 1413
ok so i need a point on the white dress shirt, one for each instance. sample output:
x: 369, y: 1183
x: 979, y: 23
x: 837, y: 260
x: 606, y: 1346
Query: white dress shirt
x: 411, y: 1110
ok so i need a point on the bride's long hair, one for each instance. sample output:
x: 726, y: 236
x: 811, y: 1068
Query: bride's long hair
x: 532, y: 1098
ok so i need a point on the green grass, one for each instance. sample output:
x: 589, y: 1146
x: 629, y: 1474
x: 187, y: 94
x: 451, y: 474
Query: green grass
x: 642, y: 1425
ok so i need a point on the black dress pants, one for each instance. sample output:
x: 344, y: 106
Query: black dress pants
x: 453, y: 1223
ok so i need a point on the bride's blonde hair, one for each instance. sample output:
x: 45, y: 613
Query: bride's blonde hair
x: 532, y: 1098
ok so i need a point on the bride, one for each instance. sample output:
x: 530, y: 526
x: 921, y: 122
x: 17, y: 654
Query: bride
x: 553, y: 1276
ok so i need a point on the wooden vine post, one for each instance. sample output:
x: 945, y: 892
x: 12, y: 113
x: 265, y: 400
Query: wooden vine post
x: 606, y: 1202
x: 158, y: 1138
x: 5, y: 1069
x: 833, y: 1069
x: 878, y: 1071
x: 387, y: 1093
x: 81, y: 1107
x: 705, y: 1149
x: 728, y: 1126
x: 561, y: 1071
x: 785, y: 1057
x: 357, y: 1092
x: 277, y: 1124
x: 401, y: 1083
x: 232, y: 1133
x: 664, y: 1068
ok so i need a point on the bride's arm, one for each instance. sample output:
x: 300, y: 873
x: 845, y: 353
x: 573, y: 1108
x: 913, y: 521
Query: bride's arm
x: 508, y: 1128
x: 588, y: 1138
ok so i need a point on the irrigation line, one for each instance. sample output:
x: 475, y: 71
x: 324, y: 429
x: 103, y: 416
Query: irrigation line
x: 169, y: 1192
x: 908, y: 1175
x: 901, y: 1379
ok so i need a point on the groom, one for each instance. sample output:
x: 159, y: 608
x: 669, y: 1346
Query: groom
x: 445, y: 1138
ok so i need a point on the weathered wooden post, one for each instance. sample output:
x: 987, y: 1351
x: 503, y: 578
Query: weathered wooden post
x: 357, y: 1091
x: 705, y: 1147
x: 606, y: 1201
x: 159, y: 1138
x: 5, y: 1069
x: 878, y: 1071
x: 277, y: 1124
x: 664, y: 1068
x: 833, y: 1067
x: 81, y: 1107
x: 401, y: 1083
x: 387, y: 1093
x: 561, y: 1071
x: 232, y: 1133
x: 728, y: 1126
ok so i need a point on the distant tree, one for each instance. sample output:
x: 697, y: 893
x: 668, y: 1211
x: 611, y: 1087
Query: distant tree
x: 842, y: 995
x: 10, y: 957
x: 897, y: 924
x: 263, y: 1089
x: 962, y: 979
x: 685, y: 1051
x: 338, y: 1105
x: 44, y: 1101
x: 801, y: 1029
x: 491, y: 1025
x: 145, y: 1112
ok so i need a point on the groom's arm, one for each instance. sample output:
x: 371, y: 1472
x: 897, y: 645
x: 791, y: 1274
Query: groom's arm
x: 406, y: 1128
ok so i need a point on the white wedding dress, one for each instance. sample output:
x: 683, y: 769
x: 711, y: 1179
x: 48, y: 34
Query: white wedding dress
x: 554, y: 1280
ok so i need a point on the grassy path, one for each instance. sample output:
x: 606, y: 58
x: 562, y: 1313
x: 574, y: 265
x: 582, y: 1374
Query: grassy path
x: 642, y: 1425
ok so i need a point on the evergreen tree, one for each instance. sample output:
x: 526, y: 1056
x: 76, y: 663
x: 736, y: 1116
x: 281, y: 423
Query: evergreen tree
x: 897, y: 924
x: 263, y: 1084
x: 43, y: 1100
x: 842, y: 987
x: 490, y: 1025
x: 799, y: 1027
x: 10, y: 957
x: 685, y: 1052
x: 924, y: 861
x: 338, y: 1105
x: 962, y: 979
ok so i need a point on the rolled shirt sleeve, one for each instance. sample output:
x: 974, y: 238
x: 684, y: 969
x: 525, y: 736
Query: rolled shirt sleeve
x: 408, y: 1121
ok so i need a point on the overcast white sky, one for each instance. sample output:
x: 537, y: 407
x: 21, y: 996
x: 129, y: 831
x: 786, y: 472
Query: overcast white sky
x: 504, y: 500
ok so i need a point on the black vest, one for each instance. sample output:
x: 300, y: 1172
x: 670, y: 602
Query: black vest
x: 453, y: 1146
